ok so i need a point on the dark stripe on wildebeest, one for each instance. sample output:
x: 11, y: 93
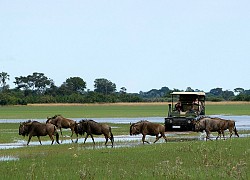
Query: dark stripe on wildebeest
x: 213, y: 124
x: 34, y: 128
x: 148, y: 128
x: 92, y: 127
x: 61, y: 122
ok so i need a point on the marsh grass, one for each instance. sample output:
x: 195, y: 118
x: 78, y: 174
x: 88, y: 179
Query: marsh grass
x: 179, y: 160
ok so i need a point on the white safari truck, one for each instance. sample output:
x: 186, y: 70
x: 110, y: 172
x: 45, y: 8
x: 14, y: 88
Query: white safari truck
x: 185, y: 107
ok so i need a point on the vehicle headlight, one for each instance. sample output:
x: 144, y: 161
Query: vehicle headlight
x: 189, y: 121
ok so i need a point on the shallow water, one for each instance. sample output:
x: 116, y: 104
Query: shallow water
x: 120, y: 140
x: 242, y: 122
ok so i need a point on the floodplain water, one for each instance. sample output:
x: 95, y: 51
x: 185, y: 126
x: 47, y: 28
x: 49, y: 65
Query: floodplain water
x: 242, y: 123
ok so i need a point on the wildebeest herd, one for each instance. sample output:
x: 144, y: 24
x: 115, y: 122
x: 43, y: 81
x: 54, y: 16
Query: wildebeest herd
x: 91, y: 127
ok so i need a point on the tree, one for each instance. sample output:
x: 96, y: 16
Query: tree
x: 123, y: 90
x: 228, y: 95
x: 239, y: 90
x: 75, y: 84
x: 3, y: 77
x: 37, y: 82
x: 216, y: 91
x: 104, y: 86
x: 189, y: 89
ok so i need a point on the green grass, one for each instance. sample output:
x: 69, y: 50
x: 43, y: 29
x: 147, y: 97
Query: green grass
x: 33, y: 112
x: 228, y: 109
x: 179, y: 160
x: 97, y: 111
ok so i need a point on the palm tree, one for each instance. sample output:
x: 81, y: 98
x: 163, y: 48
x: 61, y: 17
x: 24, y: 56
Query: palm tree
x: 4, y: 76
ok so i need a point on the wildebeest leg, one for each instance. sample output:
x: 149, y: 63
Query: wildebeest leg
x: 219, y: 135
x: 76, y: 138
x: 231, y: 132
x: 57, y: 138
x: 92, y: 138
x: 87, y: 137
x: 163, y: 135
x: 208, y: 135
x: 52, y: 139
x: 143, y: 139
x: 61, y: 134
x: 107, y: 138
x: 223, y: 134
x: 157, y: 138
x: 39, y: 139
x: 72, y: 132
x: 29, y: 140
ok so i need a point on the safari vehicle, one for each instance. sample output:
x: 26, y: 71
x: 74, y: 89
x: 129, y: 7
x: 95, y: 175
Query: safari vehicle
x: 185, y: 107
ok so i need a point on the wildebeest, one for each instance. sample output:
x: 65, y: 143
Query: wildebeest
x: 61, y: 122
x: 148, y: 128
x: 230, y: 125
x: 91, y: 127
x: 215, y: 125
x: 34, y: 128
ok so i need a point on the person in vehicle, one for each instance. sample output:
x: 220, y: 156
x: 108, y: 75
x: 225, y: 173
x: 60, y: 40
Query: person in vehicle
x: 197, y: 106
x: 178, y: 106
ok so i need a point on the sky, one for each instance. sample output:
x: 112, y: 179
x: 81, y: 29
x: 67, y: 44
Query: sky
x: 136, y: 44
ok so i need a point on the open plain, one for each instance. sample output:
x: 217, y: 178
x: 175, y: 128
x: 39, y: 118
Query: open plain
x: 179, y: 158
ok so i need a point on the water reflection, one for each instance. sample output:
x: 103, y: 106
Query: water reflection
x: 8, y: 158
x: 121, y: 140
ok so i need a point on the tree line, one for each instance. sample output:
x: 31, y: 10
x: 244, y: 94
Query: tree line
x: 38, y: 88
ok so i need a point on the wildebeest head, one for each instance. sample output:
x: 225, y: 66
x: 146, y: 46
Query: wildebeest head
x: 135, y: 128
x: 24, y: 128
x: 199, y: 125
x: 48, y: 120
x: 196, y: 126
x: 81, y: 127
x: 53, y: 119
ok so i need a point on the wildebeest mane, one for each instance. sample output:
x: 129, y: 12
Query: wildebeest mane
x: 26, y: 122
x: 55, y: 116
x: 201, y: 117
x: 141, y: 121
x: 87, y: 120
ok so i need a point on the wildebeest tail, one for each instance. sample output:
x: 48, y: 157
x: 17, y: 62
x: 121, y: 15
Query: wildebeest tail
x: 235, y: 131
x: 111, y: 136
x: 57, y: 138
x: 57, y: 135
